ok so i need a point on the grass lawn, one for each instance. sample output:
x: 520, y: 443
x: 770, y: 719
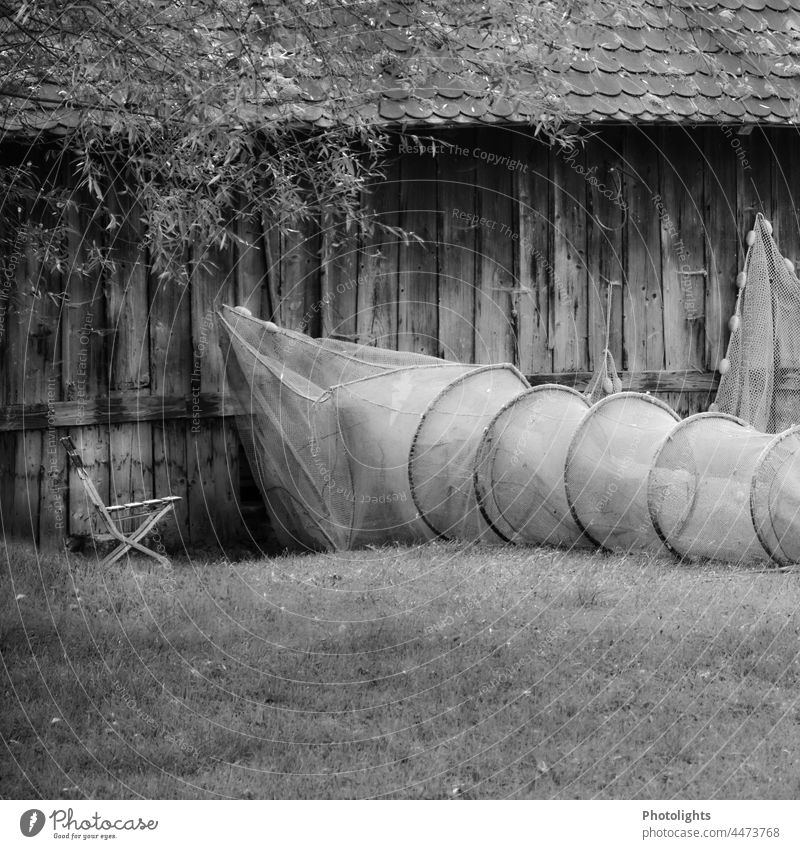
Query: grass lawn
x: 436, y: 672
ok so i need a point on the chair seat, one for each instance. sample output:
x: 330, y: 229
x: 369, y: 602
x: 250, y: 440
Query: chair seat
x: 150, y: 504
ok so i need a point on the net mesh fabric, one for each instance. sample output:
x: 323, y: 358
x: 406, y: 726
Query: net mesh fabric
x: 608, y: 462
x: 351, y: 446
x: 442, y: 459
x: 332, y: 429
x: 699, y: 488
x: 762, y: 384
x: 287, y: 426
x: 377, y: 419
x: 519, y: 467
x: 775, y: 497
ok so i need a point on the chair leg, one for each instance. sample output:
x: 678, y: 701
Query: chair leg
x: 127, y: 543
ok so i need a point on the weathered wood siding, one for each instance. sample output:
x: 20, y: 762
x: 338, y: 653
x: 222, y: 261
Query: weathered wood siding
x: 513, y: 249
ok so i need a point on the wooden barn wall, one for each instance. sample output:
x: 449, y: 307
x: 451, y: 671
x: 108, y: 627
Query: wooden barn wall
x: 128, y: 363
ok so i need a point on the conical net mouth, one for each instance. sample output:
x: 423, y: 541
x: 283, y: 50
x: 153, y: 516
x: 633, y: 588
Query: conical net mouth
x: 607, y: 465
x: 775, y: 497
x: 442, y: 459
x: 699, y: 488
x: 519, y: 467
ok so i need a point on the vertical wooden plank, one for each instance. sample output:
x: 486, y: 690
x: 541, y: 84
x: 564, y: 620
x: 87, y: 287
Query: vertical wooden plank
x: 685, y: 403
x: 8, y: 450
x: 605, y: 220
x: 785, y: 191
x: 271, y: 245
x: 570, y: 352
x: 418, y: 311
x: 495, y: 321
x: 212, y: 448
x: 679, y: 209
x: 339, y: 280
x: 130, y: 444
x: 378, y: 264
x: 643, y: 327
x: 93, y: 444
x: 299, y: 292
x: 754, y: 185
x: 722, y: 242
x: 534, y: 265
x: 34, y: 374
x: 171, y: 369
x: 51, y: 308
x: 457, y: 246
x: 84, y: 352
x: 252, y: 286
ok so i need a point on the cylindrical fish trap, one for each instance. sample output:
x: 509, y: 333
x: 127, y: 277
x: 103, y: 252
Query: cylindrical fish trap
x: 519, y: 467
x: 377, y: 419
x: 441, y: 462
x: 608, y: 463
x: 775, y: 497
x: 699, y: 488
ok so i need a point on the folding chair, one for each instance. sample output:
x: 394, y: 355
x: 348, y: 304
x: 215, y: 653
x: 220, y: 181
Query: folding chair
x: 125, y: 523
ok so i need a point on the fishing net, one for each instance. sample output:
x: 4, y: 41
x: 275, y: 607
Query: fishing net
x: 775, y: 497
x: 352, y: 446
x: 323, y: 362
x: 442, y: 459
x: 700, y: 488
x: 608, y: 462
x: 287, y: 425
x: 288, y: 422
x: 377, y: 419
x: 605, y: 381
x: 335, y: 434
x: 519, y: 467
x: 760, y: 375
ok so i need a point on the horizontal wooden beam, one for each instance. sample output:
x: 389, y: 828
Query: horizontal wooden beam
x: 132, y: 407
x: 116, y: 409
x: 640, y: 381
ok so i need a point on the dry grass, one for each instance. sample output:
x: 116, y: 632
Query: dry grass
x: 442, y: 671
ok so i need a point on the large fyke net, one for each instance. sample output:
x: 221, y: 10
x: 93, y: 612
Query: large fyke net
x: 353, y: 445
x: 760, y: 375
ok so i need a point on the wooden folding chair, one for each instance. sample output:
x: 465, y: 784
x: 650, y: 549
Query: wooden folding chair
x: 125, y: 523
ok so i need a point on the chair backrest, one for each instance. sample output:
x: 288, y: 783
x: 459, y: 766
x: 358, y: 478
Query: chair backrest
x: 77, y: 464
x: 74, y: 457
